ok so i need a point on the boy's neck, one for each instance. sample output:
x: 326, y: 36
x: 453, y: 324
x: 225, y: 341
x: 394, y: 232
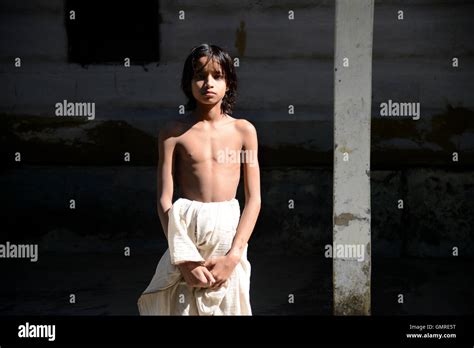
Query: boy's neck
x: 212, y: 114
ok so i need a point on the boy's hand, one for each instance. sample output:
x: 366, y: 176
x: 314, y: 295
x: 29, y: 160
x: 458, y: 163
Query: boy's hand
x: 196, y: 275
x: 221, y: 268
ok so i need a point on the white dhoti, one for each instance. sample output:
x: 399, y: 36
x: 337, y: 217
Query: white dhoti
x: 198, y: 231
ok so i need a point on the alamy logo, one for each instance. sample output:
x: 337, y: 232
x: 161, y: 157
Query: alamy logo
x: 345, y: 251
x: 9, y: 250
x: 37, y: 331
x: 237, y: 156
x: 75, y: 109
x: 400, y: 109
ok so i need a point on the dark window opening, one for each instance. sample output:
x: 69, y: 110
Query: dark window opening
x: 110, y: 31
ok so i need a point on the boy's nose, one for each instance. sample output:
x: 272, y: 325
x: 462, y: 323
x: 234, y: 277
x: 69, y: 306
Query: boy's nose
x: 209, y: 83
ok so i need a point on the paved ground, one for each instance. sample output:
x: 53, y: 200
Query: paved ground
x: 107, y: 284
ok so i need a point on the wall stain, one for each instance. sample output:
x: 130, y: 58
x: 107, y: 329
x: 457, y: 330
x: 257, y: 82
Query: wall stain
x: 344, y: 219
x: 241, y: 39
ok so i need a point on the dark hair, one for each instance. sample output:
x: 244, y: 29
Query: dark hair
x: 225, y: 61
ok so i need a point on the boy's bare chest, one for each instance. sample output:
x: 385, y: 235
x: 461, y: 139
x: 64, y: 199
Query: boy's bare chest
x: 219, y: 147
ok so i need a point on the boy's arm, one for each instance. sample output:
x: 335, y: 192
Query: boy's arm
x: 166, y: 145
x: 252, y: 191
x: 194, y: 274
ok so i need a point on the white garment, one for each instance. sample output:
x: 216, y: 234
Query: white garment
x: 198, y: 231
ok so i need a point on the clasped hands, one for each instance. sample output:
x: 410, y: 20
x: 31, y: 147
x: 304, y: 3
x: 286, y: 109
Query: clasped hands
x: 212, y: 274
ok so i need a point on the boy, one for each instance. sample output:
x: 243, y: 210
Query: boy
x: 205, y: 270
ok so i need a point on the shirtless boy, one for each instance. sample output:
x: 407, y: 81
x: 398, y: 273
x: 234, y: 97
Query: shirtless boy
x: 202, y: 154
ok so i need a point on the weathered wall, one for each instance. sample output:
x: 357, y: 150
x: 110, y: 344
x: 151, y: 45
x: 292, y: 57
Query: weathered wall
x: 282, y: 63
x: 118, y: 204
x: 411, y: 62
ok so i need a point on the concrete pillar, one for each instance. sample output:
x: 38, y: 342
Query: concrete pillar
x: 352, y: 109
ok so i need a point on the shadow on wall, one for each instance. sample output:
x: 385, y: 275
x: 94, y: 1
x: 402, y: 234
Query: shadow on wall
x: 63, y: 158
x: 395, y: 143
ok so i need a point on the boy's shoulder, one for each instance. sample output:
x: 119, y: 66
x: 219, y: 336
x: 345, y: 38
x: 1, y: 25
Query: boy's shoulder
x: 244, y: 125
x: 172, y: 128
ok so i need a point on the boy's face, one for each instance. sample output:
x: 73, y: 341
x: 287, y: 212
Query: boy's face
x: 210, y: 79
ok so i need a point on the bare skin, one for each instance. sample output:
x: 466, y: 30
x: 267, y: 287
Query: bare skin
x: 197, y: 153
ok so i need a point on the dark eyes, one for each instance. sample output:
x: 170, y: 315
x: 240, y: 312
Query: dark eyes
x: 201, y: 76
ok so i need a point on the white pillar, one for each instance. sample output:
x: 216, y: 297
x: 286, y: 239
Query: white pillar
x: 352, y: 109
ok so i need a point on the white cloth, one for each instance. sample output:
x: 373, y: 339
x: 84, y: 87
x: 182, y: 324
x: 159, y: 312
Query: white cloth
x: 198, y: 231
